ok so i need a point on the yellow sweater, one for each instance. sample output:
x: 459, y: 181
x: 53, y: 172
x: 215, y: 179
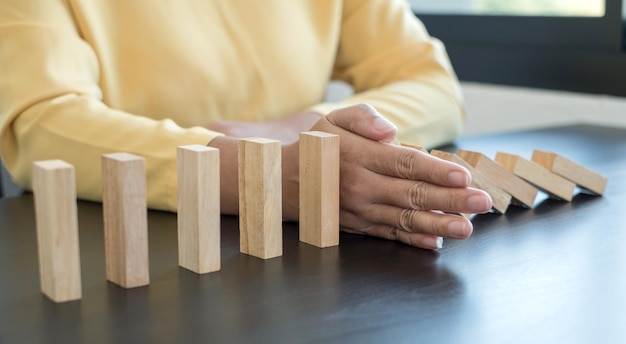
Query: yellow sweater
x: 82, y: 78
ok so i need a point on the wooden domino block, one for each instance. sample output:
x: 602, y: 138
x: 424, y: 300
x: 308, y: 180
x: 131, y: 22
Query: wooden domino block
x: 260, y: 198
x: 522, y: 192
x: 580, y: 175
x: 54, y: 186
x: 501, y: 199
x: 199, y: 208
x: 550, y: 183
x: 319, y: 189
x: 125, y: 219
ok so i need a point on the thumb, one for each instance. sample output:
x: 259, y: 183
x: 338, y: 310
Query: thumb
x: 365, y: 121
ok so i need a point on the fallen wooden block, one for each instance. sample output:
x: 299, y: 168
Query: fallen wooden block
x: 550, y: 183
x: 260, y: 198
x: 319, y: 189
x: 580, y: 175
x: 199, y: 208
x: 501, y: 199
x: 522, y: 192
x: 54, y: 187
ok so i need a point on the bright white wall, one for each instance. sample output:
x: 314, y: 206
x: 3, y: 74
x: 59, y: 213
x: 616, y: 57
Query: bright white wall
x: 492, y: 108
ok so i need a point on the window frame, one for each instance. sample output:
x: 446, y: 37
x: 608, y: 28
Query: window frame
x: 585, y: 54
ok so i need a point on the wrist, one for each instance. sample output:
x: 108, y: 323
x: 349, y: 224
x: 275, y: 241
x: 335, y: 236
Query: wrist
x: 290, y: 180
x: 229, y: 183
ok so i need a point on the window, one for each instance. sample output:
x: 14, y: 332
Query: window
x: 556, y: 8
x: 576, y: 45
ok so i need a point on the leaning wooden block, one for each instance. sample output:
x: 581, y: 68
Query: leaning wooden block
x: 125, y: 219
x: 521, y: 191
x: 199, y: 208
x: 501, y: 199
x: 537, y: 175
x: 54, y: 186
x: 319, y: 189
x: 580, y: 175
x: 260, y: 198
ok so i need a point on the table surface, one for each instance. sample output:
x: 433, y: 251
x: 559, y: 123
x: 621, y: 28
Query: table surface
x: 554, y: 273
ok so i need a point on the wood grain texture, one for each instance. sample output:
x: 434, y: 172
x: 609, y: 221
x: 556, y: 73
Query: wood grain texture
x: 54, y: 187
x: 319, y: 189
x: 125, y: 219
x: 199, y: 215
x: 260, y: 198
x: 580, y: 175
x: 501, y: 199
x: 522, y: 192
x: 550, y: 183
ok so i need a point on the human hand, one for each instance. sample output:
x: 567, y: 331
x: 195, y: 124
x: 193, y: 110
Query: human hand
x: 395, y: 192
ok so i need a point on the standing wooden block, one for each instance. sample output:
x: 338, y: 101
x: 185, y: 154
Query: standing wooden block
x: 199, y: 208
x: 537, y: 175
x: 521, y: 191
x: 125, y: 219
x: 260, y: 198
x: 580, y: 175
x: 501, y: 199
x: 319, y: 189
x: 54, y: 186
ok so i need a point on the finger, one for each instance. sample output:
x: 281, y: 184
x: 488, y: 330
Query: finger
x: 420, y: 240
x: 422, y: 221
x: 408, y: 163
x: 410, y: 194
x: 389, y: 159
x: 365, y: 121
x: 353, y: 223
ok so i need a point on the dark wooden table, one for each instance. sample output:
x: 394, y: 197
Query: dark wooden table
x: 553, y: 274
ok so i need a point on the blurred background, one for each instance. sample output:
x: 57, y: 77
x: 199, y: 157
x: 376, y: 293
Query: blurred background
x: 584, y: 8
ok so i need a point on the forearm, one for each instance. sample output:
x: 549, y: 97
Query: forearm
x: 79, y: 130
x: 425, y: 113
x: 400, y: 70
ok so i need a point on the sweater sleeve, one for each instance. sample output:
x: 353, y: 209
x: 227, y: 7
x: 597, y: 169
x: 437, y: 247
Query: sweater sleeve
x: 386, y: 54
x: 51, y: 107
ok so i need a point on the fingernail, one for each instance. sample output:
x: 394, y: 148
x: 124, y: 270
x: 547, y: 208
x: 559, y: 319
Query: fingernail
x: 458, y: 178
x: 383, y: 125
x: 479, y: 204
x: 458, y: 229
x: 434, y: 243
